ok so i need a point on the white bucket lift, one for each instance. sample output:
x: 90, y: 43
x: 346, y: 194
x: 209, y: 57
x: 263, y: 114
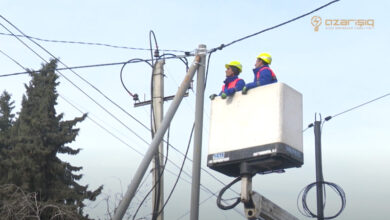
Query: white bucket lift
x: 262, y: 128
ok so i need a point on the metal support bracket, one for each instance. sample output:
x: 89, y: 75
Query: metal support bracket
x: 257, y: 206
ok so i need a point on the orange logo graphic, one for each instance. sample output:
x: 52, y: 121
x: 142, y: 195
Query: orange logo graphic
x: 343, y: 24
x: 316, y: 21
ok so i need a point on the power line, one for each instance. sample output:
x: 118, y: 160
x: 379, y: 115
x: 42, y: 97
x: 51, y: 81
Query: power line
x: 75, y: 67
x: 164, y: 141
x: 273, y: 27
x: 12, y: 60
x: 81, y: 111
x: 92, y: 44
x: 100, y: 65
x: 86, y: 81
x: 102, y: 127
x: 178, y: 175
x: 356, y: 107
x: 99, y: 125
x: 348, y: 110
x: 98, y: 91
x: 115, y: 136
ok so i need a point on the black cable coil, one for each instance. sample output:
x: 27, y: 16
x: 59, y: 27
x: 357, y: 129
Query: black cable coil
x: 308, y: 213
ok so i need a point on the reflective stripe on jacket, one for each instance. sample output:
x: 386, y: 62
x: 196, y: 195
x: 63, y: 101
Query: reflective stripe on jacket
x: 273, y: 76
x: 231, y: 84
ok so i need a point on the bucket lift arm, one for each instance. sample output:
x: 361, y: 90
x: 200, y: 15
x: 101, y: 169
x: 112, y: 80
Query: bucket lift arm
x: 257, y: 206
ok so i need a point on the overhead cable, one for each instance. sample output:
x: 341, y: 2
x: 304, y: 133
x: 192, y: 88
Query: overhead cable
x: 112, y: 134
x: 93, y: 44
x: 100, y: 93
x: 92, y: 99
x: 141, y: 154
x: 356, y: 107
x: 273, y: 27
x: 102, y: 127
x: 348, y: 110
x: 134, y: 95
x: 103, y: 64
x: 185, y: 155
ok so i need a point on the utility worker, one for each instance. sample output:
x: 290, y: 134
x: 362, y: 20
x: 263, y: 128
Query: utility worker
x: 263, y: 74
x: 232, y: 83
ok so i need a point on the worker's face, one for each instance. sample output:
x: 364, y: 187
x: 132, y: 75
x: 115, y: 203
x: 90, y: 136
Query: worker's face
x: 259, y: 63
x: 229, y: 72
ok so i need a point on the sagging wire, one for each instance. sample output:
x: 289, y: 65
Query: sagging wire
x: 348, y: 110
x: 92, y: 65
x: 273, y: 27
x: 95, y: 89
x: 70, y: 81
x: 93, y: 44
x: 183, y: 59
x: 356, y: 107
x: 135, y: 95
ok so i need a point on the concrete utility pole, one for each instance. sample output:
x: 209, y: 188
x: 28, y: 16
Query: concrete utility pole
x: 124, y: 204
x: 197, y: 152
x: 158, y: 112
x: 319, y: 176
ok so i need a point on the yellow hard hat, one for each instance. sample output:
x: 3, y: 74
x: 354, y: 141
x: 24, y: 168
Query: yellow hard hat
x: 266, y: 57
x: 235, y: 64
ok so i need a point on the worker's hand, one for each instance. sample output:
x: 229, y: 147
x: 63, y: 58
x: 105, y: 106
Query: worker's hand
x: 244, y: 90
x: 212, y: 96
x: 223, y: 95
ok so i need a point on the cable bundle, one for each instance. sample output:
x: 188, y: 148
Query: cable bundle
x: 307, y: 212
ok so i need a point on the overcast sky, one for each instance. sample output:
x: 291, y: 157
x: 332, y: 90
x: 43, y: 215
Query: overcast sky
x: 334, y: 68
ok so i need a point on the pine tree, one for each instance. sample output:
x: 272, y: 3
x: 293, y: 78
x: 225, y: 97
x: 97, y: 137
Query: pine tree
x: 6, y: 121
x: 38, y: 136
x: 6, y: 107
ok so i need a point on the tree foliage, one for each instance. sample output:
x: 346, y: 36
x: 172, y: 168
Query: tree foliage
x: 6, y: 122
x: 36, y: 138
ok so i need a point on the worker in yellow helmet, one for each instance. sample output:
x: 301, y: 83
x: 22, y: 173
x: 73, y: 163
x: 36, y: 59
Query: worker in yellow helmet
x: 232, y: 83
x: 263, y: 74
